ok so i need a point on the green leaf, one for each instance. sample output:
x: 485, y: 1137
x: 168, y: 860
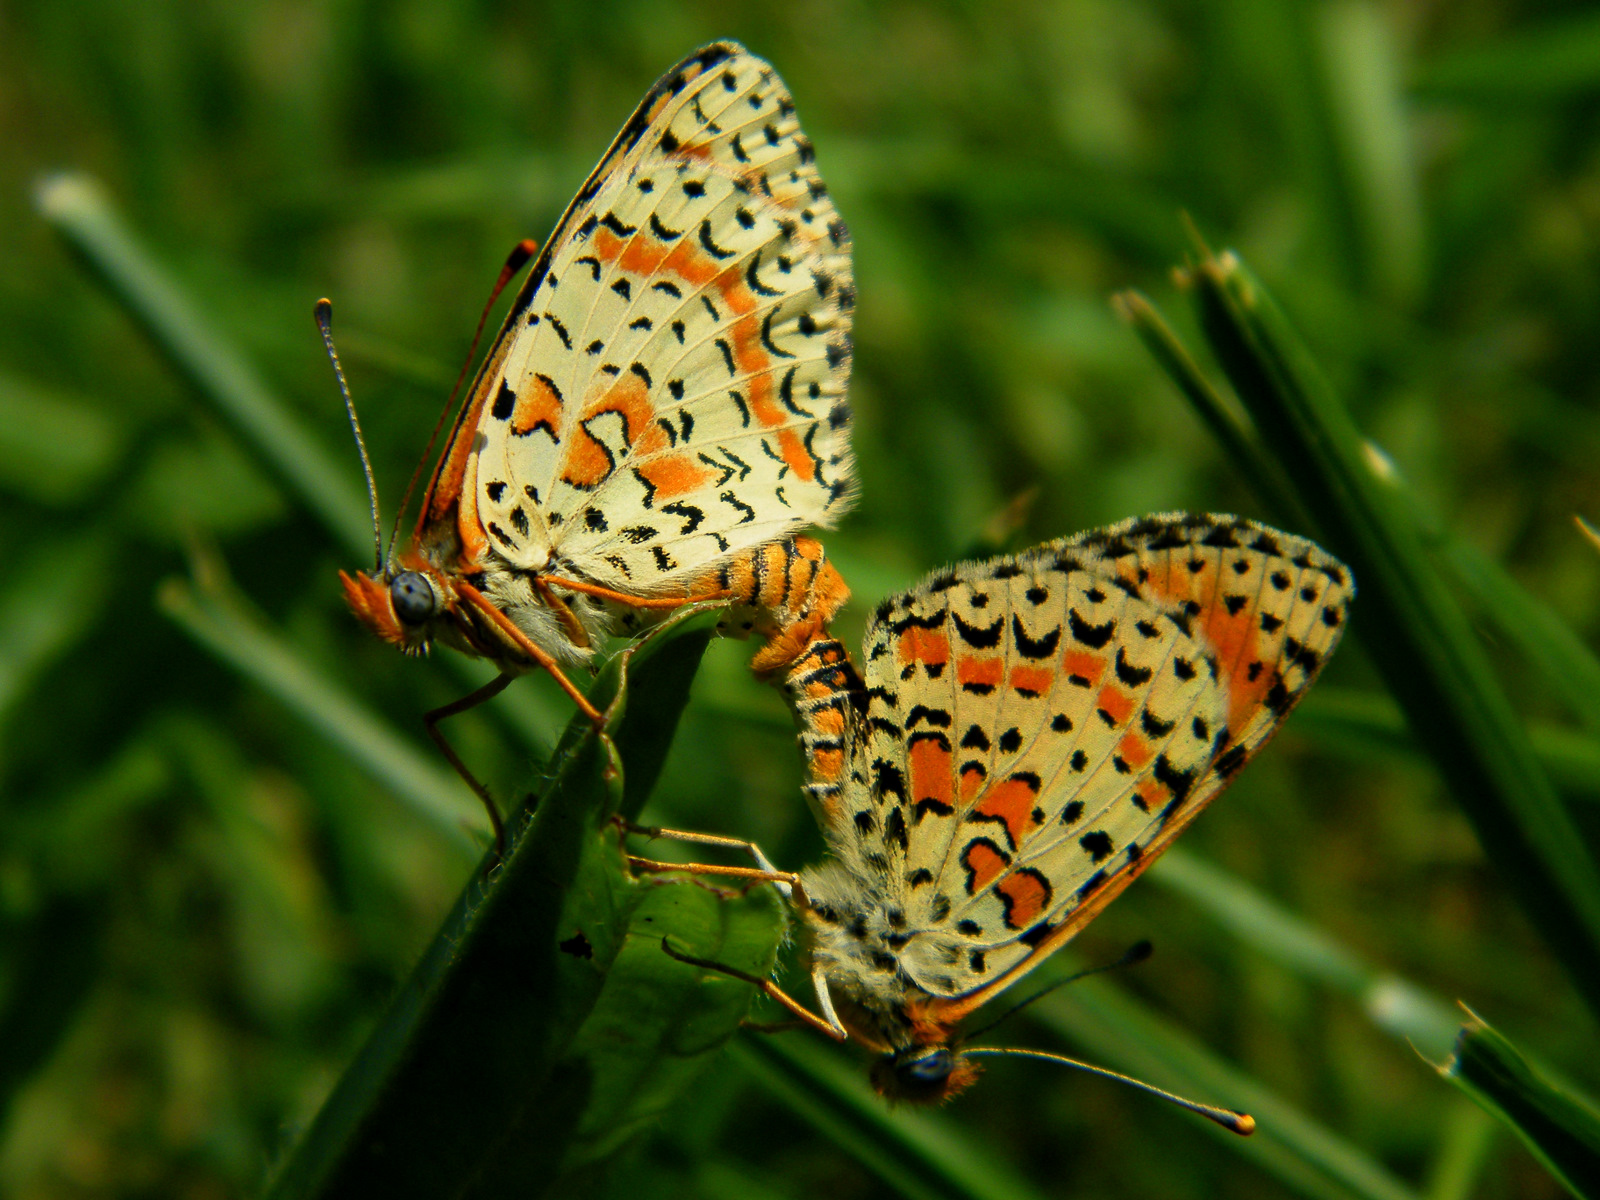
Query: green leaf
x: 1413, y: 628
x: 1561, y: 1127
x: 545, y: 1025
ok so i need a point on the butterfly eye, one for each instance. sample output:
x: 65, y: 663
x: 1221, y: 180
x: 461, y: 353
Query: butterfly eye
x: 932, y: 1066
x: 412, y: 597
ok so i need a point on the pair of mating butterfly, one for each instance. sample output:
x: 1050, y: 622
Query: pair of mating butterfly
x: 661, y: 413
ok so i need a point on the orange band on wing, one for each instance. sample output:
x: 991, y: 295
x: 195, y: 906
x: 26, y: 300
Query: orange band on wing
x: 929, y: 761
x: 983, y: 862
x: 1026, y: 895
x: 1116, y: 704
x: 923, y: 645
x: 1133, y: 748
x: 674, y: 475
x: 1233, y: 637
x: 1034, y: 681
x: 983, y: 674
x: 1083, y: 664
x: 1011, y: 801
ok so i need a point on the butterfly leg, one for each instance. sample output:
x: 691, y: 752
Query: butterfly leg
x: 828, y: 1024
x: 786, y: 882
x: 431, y: 721
x: 505, y: 629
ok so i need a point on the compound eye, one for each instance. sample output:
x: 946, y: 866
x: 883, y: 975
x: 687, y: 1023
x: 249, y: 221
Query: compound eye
x: 930, y: 1067
x: 412, y: 597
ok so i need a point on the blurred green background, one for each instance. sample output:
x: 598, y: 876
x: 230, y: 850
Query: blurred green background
x: 205, y: 898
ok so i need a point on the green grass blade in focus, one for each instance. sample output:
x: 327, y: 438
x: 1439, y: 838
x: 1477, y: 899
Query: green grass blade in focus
x: 544, y: 1024
x: 1411, y: 625
x: 86, y: 219
x: 1527, y: 623
x: 1560, y: 1128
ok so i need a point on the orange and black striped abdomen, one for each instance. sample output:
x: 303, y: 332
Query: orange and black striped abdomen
x: 786, y: 592
x: 828, y: 697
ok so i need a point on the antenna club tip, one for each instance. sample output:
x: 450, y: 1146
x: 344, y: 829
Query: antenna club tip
x: 1243, y: 1124
x: 323, y: 310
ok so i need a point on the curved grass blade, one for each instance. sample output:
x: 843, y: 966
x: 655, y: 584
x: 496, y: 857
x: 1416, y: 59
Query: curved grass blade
x: 1560, y: 1127
x: 1544, y: 64
x: 1369, y: 723
x: 498, y: 1069
x: 1416, y: 633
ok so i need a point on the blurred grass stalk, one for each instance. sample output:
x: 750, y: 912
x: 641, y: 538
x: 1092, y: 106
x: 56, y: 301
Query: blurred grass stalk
x: 229, y: 385
x: 1416, y: 633
x: 225, y: 626
x: 1292, y: 1146
x: 81, y: 213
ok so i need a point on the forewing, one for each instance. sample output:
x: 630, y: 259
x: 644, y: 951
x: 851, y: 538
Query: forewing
x: 1044, y: 724
x: 674, y: 390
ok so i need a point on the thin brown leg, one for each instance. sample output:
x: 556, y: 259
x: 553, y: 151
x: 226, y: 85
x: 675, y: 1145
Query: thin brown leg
x: 526, y: 644
x: 431, y: 720
x: 768, y: 988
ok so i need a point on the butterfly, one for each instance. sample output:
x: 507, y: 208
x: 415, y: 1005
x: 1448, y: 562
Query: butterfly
x: 1027, y: 736
x: 662, y: 411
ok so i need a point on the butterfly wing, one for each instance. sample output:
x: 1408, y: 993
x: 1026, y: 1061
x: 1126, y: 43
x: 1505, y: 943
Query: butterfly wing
x: 672, y: 384
x: 1041, y: 726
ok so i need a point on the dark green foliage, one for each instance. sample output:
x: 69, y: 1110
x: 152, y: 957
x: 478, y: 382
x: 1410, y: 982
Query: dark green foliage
x: 225, y: 843
x: 544, y: 1026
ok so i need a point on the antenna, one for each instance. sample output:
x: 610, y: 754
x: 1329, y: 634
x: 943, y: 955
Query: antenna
x: 324, y: 315
x: 520, y: 254
x: 1234, y: 1122
x: 1136, y: 954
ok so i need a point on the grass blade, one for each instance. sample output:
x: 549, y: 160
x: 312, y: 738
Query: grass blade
x: 1413, y: 628
x: 233, y: 634
x: 86, y: 219
x: 1561, y: 1128
x: 1395, y: 1005
x: 544, y: 1025
x: 1304, y: 1154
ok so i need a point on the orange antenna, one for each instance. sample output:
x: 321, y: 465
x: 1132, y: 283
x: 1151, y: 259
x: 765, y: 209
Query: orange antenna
x: 324, y: 314
x: 1234, y: 1122
x: 520, y: 254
